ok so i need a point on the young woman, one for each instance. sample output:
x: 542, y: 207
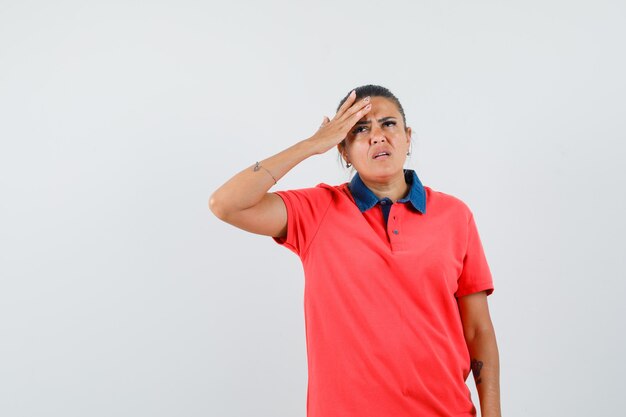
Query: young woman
x: 396, y: 280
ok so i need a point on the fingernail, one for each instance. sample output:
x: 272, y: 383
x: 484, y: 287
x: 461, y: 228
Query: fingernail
x: 352, y: 92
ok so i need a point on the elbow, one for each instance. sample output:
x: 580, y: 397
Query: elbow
x: 215, y: 207
x: 477, y: 333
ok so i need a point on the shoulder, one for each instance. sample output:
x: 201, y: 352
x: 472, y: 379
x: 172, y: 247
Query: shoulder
x: 320, y: 195
x: 320, y: 189
x: 326, y: 191
x: 445, y: 202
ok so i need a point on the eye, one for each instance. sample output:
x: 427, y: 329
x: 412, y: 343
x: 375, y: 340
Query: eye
x: 358, y: 130
x: 389, y: 123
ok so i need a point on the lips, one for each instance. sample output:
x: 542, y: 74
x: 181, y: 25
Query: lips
x: 380, y: 152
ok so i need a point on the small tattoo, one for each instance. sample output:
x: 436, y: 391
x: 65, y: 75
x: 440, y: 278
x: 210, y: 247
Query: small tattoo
x: 476, y: 367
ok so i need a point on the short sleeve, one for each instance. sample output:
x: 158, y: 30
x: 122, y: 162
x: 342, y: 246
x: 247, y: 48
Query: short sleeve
x: 476, y: 275
x: 306, y: 208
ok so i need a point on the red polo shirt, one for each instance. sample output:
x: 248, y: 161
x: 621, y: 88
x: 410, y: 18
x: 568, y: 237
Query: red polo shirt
x: 383, y: 331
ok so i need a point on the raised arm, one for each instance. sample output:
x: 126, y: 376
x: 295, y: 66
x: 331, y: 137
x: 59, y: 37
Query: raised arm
x: 244, y: 201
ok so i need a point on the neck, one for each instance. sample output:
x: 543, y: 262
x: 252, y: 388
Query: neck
x: 394, y: 189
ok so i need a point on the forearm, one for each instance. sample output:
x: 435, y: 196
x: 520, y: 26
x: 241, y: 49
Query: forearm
x: 248, y: 187
x: 485, y: 365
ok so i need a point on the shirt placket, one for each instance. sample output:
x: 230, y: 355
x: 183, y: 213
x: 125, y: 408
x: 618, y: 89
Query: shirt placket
x: 394, y: 227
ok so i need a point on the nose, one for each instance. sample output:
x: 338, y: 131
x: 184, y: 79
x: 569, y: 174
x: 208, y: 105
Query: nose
x: 377, y: 135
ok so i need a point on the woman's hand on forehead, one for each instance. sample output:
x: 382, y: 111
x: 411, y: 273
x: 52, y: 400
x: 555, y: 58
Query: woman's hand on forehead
x: 332, y: 132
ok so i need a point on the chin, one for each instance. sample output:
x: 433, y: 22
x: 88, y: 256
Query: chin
x: 382, y: 171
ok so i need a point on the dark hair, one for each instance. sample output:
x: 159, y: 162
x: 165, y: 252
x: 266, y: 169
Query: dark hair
x: 372, y: 91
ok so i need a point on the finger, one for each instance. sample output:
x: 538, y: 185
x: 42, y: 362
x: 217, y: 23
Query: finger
x: 346, y: 104
x: 357, y: 107
x: 356, y: 116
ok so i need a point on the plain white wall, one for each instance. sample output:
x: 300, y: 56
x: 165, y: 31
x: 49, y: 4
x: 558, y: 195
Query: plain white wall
x: 121, y: 294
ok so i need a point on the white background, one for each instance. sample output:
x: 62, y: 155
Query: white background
x: 122, y: 295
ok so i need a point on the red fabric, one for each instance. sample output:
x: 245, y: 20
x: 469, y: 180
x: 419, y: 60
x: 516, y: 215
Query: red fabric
x: 383, y: 331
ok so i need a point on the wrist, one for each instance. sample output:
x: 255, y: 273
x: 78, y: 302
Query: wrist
x: 311, y: 146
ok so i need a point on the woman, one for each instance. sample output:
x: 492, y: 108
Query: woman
x: 396, y: 281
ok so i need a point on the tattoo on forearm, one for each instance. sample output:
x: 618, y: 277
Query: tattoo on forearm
x: 476, y: 367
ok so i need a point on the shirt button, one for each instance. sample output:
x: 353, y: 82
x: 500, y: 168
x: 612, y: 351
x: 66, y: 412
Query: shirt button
x: 383, y: 202
x: 395, y: 232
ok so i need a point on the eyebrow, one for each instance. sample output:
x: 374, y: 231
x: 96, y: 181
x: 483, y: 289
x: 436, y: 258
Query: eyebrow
x: 384, y: 119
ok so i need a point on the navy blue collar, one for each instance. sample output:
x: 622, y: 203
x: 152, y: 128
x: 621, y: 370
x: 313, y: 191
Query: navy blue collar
x: 365, y: 199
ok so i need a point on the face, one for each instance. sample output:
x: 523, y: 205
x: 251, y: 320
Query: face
x: 381, y: 129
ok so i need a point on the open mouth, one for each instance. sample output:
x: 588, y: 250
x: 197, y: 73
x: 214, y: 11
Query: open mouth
x: 382, y: 155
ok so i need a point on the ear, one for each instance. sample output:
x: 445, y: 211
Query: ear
x: 409, y: 132
x: 342, y: 150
